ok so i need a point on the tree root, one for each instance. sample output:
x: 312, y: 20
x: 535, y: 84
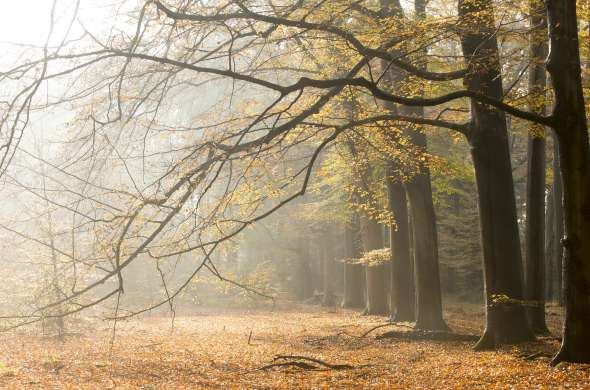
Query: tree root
x: 428, y: 335
x: 490, y: 340
x: 485, y: 343
x: 306, y: 363
x: 561, y: 356
x: 567, y: 355
x: 438, y: 325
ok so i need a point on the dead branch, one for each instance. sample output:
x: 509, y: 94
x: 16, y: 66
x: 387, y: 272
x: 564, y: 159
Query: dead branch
x: 535, y: 355
x: 305, y: 363
x: 384, y: 325
x: 428, y: 335
x: 317, y: 361
x: 302, y: 365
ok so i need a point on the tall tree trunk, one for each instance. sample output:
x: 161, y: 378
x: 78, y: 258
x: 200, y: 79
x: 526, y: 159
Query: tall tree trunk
x: 554, y: 231
x: 412, y: 266
x: 535, y: 198
x: 304, y: 288
x: 328, y: 266
x: 317, y: 271
x: 428, y: 303
x: 354, y: 275
x: 59, y: 310
x: 57, y: 294
x: 429, y: 313
x: 425, y: 248
x: 558, y: 221
x: 569, y: 116
x: 376, y: 276
x: 506, y: 321
x: 401, y: 304
x: 550, y: 246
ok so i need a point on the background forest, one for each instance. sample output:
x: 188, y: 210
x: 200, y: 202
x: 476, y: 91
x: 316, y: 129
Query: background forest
x: 421, y: 165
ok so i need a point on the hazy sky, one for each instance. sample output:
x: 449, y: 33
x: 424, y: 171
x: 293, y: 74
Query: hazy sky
x: 27, y: 21
x: 24, y: 21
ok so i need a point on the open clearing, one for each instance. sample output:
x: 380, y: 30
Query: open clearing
x: 226, y: 349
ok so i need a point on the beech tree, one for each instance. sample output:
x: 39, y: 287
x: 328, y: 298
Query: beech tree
x: 419, y: 194
x: 535, y: 215
x: 568, y: 120
x: 401, y: 304
x: 505, y: 316
x: 354, y: 278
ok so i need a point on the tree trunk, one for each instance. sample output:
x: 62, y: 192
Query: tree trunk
x: 401, y: 275
x: 376, y: 276
x: 429, y: 315
x: 426, y: 270
x: 428, y: 302
x: 535, y: 197
x: 558, y: 221
x: 354, y: 275
x: 550, y: 246
x: 412, y: 267
x: 535, y: 235
x: 502, y: 261
x: 569, y: 116
x: 554, y: 231
x: 304, y: 284
x: 317, y: 270
x: 328, y: 267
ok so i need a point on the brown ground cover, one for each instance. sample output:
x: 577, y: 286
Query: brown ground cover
x: 227, y: 349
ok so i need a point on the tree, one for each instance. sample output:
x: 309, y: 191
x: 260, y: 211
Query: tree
x: 554, y: 230
x: 401, y: 304
x: 569, y: 123
x: 418, y: 190
x: 505, y: 316
x: 535, y: 204
x: 377, y: 275
x: 354, y: 274
x: 328, y: 269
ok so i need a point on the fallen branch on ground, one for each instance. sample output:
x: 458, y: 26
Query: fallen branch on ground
x: 533, y: 356
x: 302, y: 365
x: 428, y: 335
x: 305, y: 363
x: 384, y: 325
x: 317, y: 361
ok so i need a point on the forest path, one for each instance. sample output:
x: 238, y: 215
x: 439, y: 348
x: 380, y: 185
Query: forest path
x: 225, y: 349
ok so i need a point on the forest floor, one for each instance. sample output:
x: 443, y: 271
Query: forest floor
x: 229, y: 349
